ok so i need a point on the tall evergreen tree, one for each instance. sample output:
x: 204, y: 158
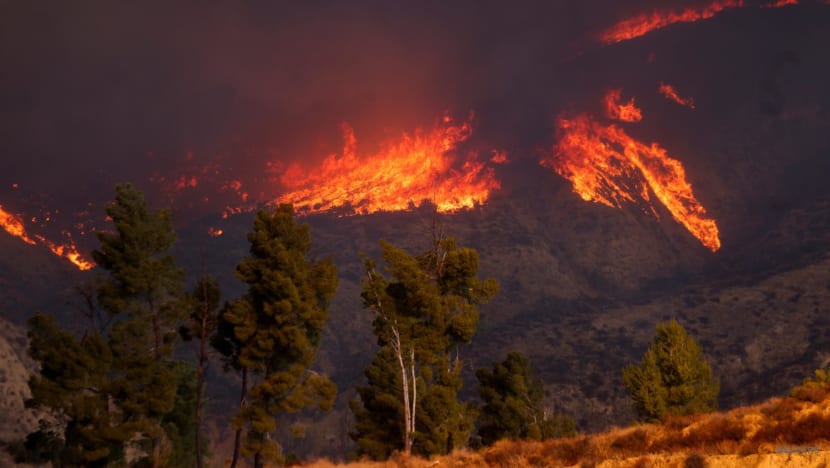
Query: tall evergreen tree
x: 144, y: 289
x: 205, y: 299
x: 513, y: 404
x: 673, y: 377
x: 424, y: 312
x: 118, y: 383
x: 231, y: 334
x: 276, y: 328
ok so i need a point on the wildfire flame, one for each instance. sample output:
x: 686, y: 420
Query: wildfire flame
x: 645, y: 23
x: 405, y: 172
x: 14, y: 226
x: 627, y: 112
x: 669, y: 92
x: 658, y: 19
x: 780, y: 3
x: 607, y: 166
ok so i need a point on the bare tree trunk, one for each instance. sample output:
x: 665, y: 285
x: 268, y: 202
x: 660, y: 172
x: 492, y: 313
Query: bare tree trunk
x: 414, y: 395
x: 237, y: 441
x: 157, y: 356
x: 409, y: 404
x: 407, y: 415
x: 200, y: 382
x: 156, y: 452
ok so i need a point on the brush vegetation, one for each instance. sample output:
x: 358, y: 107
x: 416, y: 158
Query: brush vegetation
x: 787, y: 431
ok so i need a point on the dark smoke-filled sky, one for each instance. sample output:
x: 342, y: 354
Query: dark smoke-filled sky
x: 95, y: 92
x: 88, y: 89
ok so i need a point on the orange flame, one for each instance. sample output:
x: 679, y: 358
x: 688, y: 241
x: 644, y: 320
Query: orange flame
x: 214, y: 232
x: 627, y: 112
x: 499, y: 157
x: 68, y: 251
x: 648, y: 22
x: 403, y: 174
x: 14, y: 226
x: 607, y: 166
x: 780, y: 3
x: 669, y: 92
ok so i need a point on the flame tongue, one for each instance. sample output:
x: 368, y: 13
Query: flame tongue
x: 404, y: 173
x: 648, y: 22
x: 14, y: 226
x: 780, y: 3
x: 607, y: 166
x: 669, y: 92
x: 627, y: 112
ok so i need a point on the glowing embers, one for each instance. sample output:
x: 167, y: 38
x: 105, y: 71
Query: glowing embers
x: 14, y: 226
x: 614, y: 109
x: 670, y: 93
x: 606, y: 165
x: 658, y: 19
x: 401, y: 175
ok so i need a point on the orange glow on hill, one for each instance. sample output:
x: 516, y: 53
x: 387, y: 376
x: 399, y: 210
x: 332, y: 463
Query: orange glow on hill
x: 607, y: 166
x: 658, y: 19
x: 68, y: 251
x: 14, y: 226
x: 627, y: 112
x: 669, y: 92
x: 401, y: 175
x: 780, y: 3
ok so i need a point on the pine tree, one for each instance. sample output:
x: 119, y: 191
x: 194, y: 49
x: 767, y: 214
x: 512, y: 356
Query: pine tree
x: 205, y: 299
x: 513, y: 404
x: 144, y: 291
x: 424, y: 312
x: 231, y: 334
x: 275, y: 329
x: 673, y: 378
x: 118, y: 380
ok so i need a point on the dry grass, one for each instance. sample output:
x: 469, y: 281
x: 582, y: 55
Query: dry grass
x: 750, y: 436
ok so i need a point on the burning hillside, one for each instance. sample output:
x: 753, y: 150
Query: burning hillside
x: 607, y: 166
x: 401, y: 175
x: 645, y: 23
x: 13, y: 225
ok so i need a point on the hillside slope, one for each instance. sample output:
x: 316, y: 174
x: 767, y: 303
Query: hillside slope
x: 787, y: 431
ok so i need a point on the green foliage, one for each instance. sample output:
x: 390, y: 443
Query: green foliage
x: 143, y: 281
x: 144, y: 290
x: 673, y: 378
x: 820, y: 376
x: 74, y: 386
x: 425, y: 310
x: 513, y: 404
x: 814, y: 388
x: 43, y: 446
x: 180, y: 424
x: 120, y: 382
x: 275, y: 329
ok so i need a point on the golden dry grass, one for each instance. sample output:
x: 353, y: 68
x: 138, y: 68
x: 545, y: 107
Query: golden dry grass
x: 770, y: 434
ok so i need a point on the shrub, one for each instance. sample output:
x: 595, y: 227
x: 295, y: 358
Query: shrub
x: 673, y: 377
x: 635, y: 441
